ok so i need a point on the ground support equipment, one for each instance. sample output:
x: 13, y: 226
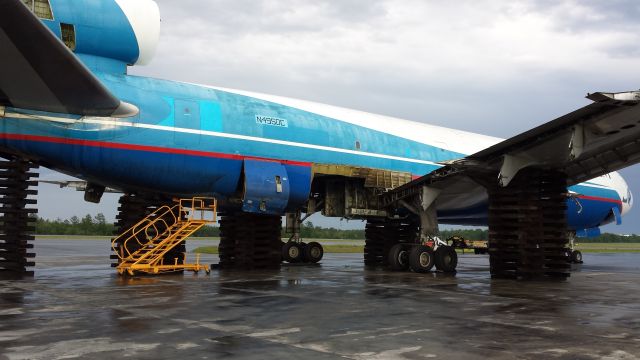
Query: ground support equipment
x: 143, y: 248
x: 134, y: 207
x: 18, y: 182
x: 528, y: 226
x: 250, y: 241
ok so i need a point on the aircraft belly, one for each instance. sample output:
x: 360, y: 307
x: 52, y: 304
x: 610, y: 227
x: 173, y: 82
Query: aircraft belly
x: 128, y: 166
x: 591, y: 207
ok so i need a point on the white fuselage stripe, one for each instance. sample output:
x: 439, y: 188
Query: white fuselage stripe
x: 116, y: 122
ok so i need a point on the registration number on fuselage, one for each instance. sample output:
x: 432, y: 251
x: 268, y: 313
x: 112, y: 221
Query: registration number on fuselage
x: 271, y: 121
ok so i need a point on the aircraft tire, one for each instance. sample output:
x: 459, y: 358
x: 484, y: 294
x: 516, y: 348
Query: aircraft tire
x: 576, y: 257
x: 399, y: 257
x: 421, y: 259
x: 313, y: 252
x: 292, y: 252
x: 446, y: 259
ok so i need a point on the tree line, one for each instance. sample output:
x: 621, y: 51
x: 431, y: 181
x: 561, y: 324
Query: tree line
x: 97, y: 225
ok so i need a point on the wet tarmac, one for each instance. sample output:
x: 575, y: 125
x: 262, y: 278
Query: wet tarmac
x: 76, y: 307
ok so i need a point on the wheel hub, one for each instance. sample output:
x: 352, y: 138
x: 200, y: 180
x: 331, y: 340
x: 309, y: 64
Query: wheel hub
x: 403, y: 257
x: 294, y: 252
x: 424, y: 259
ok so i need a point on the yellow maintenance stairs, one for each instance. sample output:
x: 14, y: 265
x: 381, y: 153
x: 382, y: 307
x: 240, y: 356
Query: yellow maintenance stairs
x: 162, y: 230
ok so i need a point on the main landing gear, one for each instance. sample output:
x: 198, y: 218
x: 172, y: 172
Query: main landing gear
x: 421, y: 258
x: 398, y: 244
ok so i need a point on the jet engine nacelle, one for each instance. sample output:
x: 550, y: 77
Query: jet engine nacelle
x: 123, y: 30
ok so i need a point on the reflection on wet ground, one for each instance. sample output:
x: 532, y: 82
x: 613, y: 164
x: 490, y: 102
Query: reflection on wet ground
x: 77, y: 307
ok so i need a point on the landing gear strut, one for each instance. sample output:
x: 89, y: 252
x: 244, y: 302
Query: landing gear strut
x: 17, y: 218
x: 296, y: 251
x: 574, y: 255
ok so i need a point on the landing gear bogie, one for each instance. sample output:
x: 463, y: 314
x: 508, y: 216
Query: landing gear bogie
x: 300, y: 252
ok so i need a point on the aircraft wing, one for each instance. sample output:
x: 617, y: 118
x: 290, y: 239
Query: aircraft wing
x: 38, y: 72
x: 592, y: 141
x: 589, y: 142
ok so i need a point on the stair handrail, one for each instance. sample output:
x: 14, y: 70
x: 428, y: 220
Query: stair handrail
x: 199, y: 203
x: 169, y: 239
x: 143, y: 226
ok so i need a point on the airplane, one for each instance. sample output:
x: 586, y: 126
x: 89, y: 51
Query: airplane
x: 68, y: 103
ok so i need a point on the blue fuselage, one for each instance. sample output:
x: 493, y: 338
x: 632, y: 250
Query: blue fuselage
x: 189, y: 140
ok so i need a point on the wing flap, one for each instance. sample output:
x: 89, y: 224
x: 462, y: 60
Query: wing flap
x: 38, y: 72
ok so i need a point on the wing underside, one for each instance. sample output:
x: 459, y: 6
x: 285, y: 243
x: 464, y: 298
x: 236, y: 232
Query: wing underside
x: 589, y: 142
x: 38, y: 72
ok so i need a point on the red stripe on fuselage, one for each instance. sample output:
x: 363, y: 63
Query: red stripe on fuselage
x: 597, y: 198
x: 157, y: 149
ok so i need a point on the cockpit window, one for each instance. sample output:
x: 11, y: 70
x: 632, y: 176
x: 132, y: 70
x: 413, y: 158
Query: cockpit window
x: 68, y: 32
x: 41, y: 8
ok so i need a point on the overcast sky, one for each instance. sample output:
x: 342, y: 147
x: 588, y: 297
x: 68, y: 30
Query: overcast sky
x: 492, y: 67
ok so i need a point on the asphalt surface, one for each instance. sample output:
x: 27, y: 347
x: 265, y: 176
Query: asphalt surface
x: 76, y: 307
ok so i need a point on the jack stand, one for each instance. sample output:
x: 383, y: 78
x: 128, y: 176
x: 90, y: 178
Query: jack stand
x: 17, y: 219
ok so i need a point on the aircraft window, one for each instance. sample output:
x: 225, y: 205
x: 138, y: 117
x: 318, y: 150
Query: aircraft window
x: 68, y: 35
x: 41, y: 8
x: 357, y: 145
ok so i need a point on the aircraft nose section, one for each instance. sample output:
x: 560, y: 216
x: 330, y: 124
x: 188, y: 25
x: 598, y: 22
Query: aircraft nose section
x: 625, y: 194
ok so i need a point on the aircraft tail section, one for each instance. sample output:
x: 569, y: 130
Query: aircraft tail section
x: 38, y: 72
